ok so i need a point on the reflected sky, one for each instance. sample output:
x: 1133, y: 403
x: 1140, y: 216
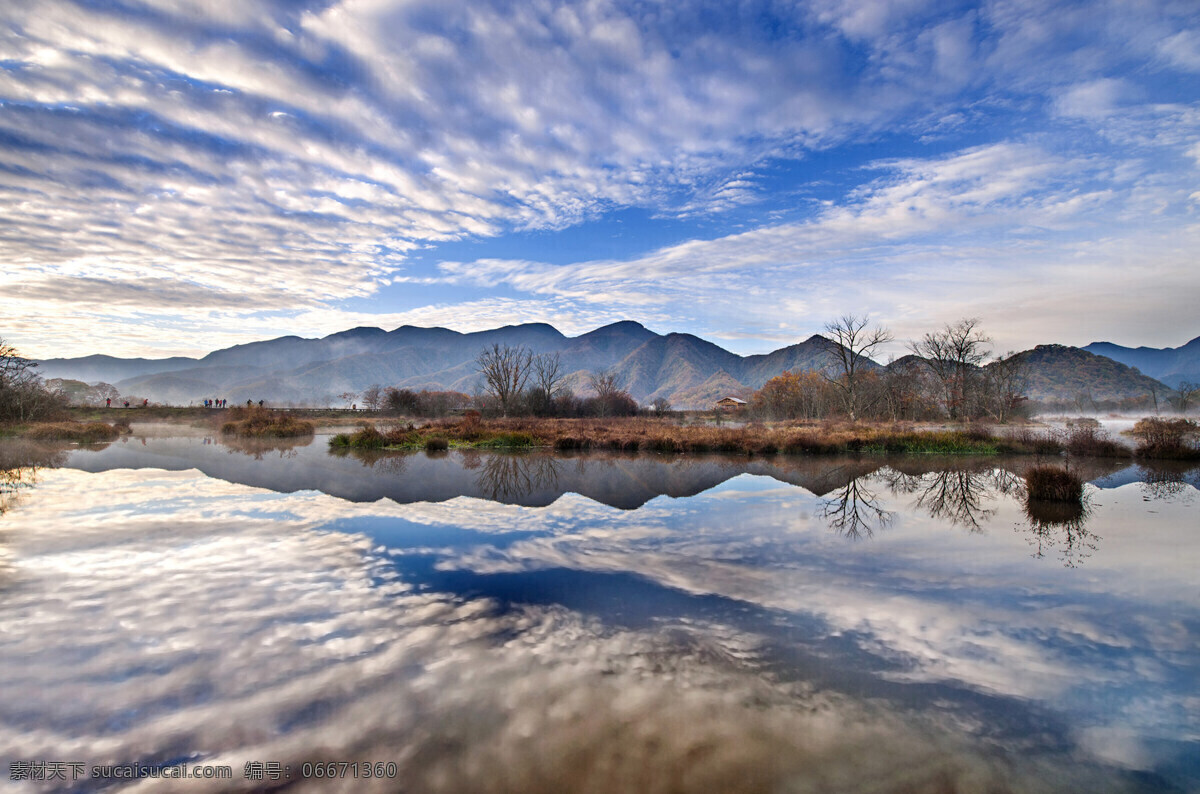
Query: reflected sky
x: 617, y: 623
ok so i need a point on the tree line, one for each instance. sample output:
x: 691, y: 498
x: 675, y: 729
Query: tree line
x: 514, y: 381
x: 942, y: 379
x: 23, y: 395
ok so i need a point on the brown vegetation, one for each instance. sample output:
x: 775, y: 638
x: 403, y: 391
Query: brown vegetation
x: 664, y: 436
x: 89, y: 433
x: 1172, y: 439
x: 1053, y: 484
x: 254, y: 422
x: 1086, y: 439
x: 23, y: 395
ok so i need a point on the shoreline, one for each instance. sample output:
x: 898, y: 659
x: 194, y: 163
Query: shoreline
x: 668, y: 435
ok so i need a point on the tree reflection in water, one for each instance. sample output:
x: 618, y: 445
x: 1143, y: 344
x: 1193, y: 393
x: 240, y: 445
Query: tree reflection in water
x: 390, y: 461
x: 853, y: 510
x: 1168, y: 480
x: 959, y: 496
x: 512, y: 476
x: 259, y: 447
x: 21, y: 464
x: 1062, y: 526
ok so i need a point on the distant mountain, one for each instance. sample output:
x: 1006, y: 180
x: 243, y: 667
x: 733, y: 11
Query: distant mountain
x: 1057, y: 372
x: 1171, y: 365
x: 91, y: 369
x: 688, y: 371
x: 814, y: 353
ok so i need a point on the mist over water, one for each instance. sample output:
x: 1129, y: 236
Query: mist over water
x: 598, y: 623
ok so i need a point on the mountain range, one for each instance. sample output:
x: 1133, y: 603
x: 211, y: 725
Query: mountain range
x: 688, y: 371
x: 1171, y: 365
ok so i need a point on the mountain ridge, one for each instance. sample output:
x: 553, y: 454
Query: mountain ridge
x: 1171, y: 365
x: 685, y: 369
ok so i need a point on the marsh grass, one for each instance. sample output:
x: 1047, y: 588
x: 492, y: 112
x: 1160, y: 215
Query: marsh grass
x: 80, y: 432
x: 255, y: 422
x: 1053, y: 484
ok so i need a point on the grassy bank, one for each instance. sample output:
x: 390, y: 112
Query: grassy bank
x: 665, y: 436
x: 435, y: 437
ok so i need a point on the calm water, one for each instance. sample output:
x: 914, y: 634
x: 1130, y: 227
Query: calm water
x: 493, y: 622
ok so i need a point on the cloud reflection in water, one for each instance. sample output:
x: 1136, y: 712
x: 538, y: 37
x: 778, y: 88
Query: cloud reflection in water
x: 166, y: 615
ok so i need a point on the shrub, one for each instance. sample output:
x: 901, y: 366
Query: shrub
x: 366, y: 437
x: 253, y: 421
x: 1053, y: 484
x: 436, y: 444
x: 1088, y: 439
x: 1166, y: 438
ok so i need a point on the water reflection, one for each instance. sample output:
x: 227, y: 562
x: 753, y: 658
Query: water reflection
x: 955, y: 492
x: 1169, y: 480
x: 1060, y: 526
x: 853, y: 510
x: 510, y: 478
x: 259, y: 447
x: 531, y: 637
x: 20, y: 464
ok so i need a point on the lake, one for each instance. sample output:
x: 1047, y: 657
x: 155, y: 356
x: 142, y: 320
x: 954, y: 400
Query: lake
x: 492, y: 622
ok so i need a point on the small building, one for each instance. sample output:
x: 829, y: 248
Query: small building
x: 730, y: 404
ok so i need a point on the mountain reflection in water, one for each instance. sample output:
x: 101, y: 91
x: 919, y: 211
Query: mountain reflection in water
x: 496, y: 622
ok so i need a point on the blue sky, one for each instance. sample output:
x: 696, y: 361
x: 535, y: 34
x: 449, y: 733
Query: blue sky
x: 182, y: 175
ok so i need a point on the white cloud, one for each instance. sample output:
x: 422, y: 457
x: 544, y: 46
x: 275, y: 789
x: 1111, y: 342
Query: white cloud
x: 1183, y: 50
x: 1096, y: 99
x: 292, y: 155
x: 1002, y: 232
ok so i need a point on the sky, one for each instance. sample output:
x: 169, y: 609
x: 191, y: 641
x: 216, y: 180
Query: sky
x: 179, y: 176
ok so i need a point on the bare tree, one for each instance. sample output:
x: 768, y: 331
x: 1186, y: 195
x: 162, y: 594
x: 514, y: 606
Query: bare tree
x: 854, y: 344
x: 954, y: 355
x: 348, y: 397
x: 1007, y: 380
x: 610, y: 399
x: 505, y: 371
x: 1185, y: 393
x: 23, y: 396
x: 604, y: 383
x: 372, y: 397
x: 547, y: 380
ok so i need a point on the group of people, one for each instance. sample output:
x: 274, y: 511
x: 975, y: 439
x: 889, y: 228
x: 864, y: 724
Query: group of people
x: 222, y: 403
x: 108, y: 403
